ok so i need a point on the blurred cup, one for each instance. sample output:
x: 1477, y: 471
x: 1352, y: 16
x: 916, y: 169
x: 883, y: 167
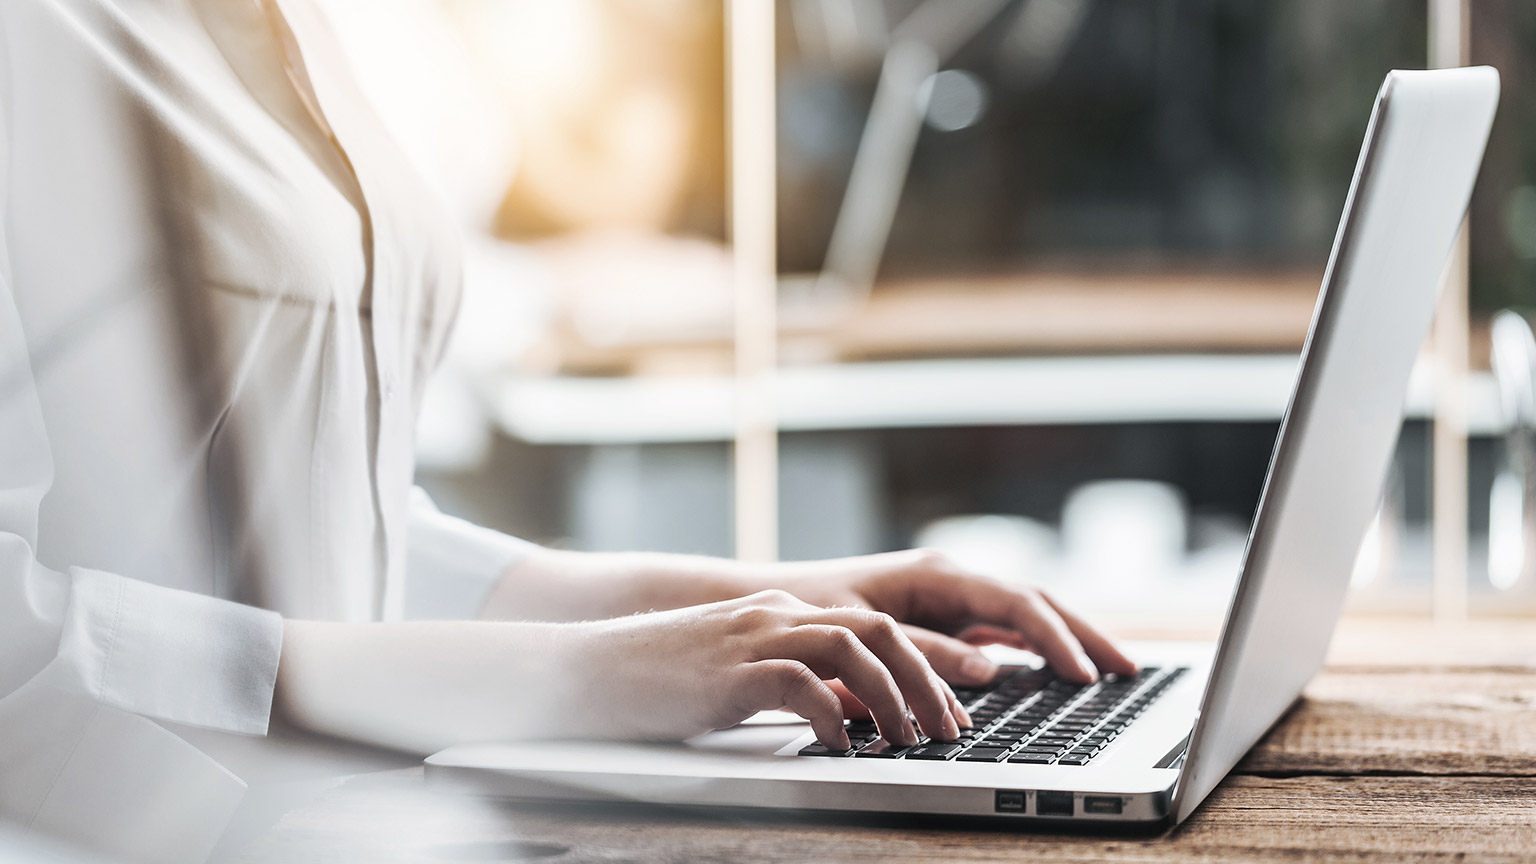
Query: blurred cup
x: 1124, y: 533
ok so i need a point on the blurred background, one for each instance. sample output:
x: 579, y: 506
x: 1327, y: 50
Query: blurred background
x: 1043, y: 271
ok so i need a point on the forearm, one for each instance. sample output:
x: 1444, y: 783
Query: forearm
x: 554, y: 585
x: 421, y: 686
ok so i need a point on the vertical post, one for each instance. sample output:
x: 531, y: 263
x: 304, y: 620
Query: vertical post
x: 1449, y: 45
x: 755, y: 276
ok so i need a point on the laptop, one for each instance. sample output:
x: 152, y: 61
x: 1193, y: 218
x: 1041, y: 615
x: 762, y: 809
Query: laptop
x: 1145, y: 749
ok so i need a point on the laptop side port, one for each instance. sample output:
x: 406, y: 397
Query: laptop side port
x: 1009, y: 801
x: 1053, y: 803
x: 1107, y: 804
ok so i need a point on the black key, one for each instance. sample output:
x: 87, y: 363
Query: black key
x: 1050, y: 751
x: 984, y: 754
x: 881, y: 749
x: 1006, y: 738
x: 861, y: 729
x: 1073, y: 759
x: 935, y: 751
x: 1096, y: 741
x: 1023, y: 758
x: 819, y: 749
x: 1082, y: 751
x: 1051, y: 741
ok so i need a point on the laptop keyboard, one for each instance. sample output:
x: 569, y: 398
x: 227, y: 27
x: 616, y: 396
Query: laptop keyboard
x: 1027, y: 716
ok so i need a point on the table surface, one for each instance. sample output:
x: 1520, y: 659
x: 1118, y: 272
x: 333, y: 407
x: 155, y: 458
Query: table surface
x: 1416, y: 742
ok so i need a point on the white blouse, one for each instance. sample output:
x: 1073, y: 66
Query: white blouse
x: 222, y: 290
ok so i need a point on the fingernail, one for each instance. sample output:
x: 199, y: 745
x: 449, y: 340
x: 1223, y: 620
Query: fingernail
x: 978, y: 668
x: 951, y: 729
x: 843, y: 742
x: 1087, y: 666
x: 964, y: 717
x: 909, y: 733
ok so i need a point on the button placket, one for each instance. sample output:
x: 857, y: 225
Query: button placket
x: 337, y: 102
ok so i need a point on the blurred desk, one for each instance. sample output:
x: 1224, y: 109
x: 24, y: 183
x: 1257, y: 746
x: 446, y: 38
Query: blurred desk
x: 1032, y: 312
x: 1416, y: 743
x: 896, y: 394
x: 1040, y: 347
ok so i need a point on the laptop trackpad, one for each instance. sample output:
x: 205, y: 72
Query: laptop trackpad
x: 752, y: 738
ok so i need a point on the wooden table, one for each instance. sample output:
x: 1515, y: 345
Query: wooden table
x: 1416, y: 743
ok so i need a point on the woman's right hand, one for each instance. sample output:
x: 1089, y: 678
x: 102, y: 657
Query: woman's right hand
x: 683, y: 672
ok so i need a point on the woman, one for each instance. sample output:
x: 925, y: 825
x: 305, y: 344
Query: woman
x: 223, y: 293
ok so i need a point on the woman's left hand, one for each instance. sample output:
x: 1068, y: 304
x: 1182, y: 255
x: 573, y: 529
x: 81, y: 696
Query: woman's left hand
x: 947, y: 612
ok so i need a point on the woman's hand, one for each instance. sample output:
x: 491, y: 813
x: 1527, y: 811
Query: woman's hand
x: 948, y: 611
x: 670, y: 675
x: 679, y: 673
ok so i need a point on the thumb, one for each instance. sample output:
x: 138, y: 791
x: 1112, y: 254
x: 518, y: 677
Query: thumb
x: 956, y: 662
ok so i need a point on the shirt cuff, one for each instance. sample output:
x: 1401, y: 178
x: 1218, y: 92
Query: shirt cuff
x: 171, y: 655
x: 454, y: 564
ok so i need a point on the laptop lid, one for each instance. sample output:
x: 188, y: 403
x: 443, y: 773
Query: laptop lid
x: 1421, y: 154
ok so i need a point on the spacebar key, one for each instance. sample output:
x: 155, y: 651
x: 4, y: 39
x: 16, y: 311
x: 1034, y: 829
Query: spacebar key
x: 935, y: 751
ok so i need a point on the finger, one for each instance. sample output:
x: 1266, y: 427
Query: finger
x: 1099, y: 647
x: 787, y: 684
x: 832, y: 651
x: 853, y: 709
x: 987, y: 634
x: 955, y: 661
x: 920, y: 685
x: 962, y: 716
x: 1024, y: 610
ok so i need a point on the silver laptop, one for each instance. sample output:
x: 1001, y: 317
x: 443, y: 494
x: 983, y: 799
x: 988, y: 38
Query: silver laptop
x: 1146, y: 749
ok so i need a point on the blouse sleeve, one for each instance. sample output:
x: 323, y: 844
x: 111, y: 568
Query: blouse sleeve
x: 88, y: 659
x: 453, y: 564
x: 167, y: 654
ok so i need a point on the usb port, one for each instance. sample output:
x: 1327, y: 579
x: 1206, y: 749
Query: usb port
x: 1053, y: 803
x: 1101, y: 804
x: 1008, y: 800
